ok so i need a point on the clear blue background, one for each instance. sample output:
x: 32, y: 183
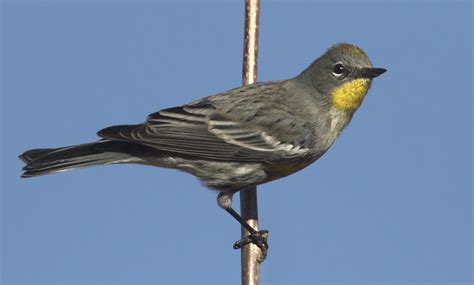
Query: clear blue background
x: 389, y: 203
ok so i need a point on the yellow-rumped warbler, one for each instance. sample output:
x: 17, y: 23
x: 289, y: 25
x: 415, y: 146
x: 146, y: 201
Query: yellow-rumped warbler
x: 239, y: 138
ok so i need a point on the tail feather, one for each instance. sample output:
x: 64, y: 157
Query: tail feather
x: 46, y: 161
x: 30, y: 155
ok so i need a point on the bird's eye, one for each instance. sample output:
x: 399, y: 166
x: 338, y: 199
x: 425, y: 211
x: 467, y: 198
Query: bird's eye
x: 338, y: 69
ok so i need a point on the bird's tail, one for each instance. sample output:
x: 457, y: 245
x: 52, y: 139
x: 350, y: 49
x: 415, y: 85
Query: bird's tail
x: 46, y: 161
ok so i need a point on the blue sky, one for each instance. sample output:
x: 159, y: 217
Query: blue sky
x: 389, y: 203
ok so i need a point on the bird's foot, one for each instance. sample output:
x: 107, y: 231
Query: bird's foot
x: 259, y: 239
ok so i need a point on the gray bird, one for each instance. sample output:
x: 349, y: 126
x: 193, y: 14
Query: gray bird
x: 239, y: 138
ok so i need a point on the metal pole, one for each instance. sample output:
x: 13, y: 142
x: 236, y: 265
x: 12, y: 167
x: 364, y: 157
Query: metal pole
x: 248, y: 196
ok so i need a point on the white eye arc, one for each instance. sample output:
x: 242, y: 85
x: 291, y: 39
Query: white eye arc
x: 338, y: 69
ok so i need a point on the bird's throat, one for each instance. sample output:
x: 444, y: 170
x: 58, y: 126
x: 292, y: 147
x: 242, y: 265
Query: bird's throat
x: 350, y: 95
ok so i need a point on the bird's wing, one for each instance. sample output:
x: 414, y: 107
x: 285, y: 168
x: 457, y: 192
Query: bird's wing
x: 199, y: 130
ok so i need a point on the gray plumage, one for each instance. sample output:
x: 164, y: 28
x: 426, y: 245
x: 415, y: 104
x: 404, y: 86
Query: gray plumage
x: 242, y: 137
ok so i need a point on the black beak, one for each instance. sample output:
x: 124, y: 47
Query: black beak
x: 370, y: 72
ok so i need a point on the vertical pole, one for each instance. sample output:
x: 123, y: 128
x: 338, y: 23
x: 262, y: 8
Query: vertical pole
x: 248, y: 196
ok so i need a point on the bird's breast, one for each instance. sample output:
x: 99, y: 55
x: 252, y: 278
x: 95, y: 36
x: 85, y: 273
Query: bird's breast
x: 337, y: 120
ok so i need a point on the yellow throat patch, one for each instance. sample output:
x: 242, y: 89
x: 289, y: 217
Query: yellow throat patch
x: 349, y: 95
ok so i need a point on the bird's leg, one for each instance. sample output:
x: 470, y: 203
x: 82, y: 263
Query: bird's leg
x: 259, y: 238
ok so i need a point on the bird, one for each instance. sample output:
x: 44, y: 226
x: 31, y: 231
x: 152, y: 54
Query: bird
x: 236, y: 139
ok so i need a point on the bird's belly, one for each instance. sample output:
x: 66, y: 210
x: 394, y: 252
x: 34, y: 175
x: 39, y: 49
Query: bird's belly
x: 222, y: 176
x: 276, y: 171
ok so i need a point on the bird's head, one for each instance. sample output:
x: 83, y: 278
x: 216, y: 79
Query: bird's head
x: 343, y: 76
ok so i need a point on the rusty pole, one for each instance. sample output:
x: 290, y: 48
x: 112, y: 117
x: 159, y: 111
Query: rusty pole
x: 248, y: 196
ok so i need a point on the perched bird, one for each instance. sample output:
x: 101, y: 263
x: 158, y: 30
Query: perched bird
x: 239, y: 138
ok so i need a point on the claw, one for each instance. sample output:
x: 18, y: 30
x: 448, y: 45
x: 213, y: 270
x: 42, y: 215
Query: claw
x: 259, y: 239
